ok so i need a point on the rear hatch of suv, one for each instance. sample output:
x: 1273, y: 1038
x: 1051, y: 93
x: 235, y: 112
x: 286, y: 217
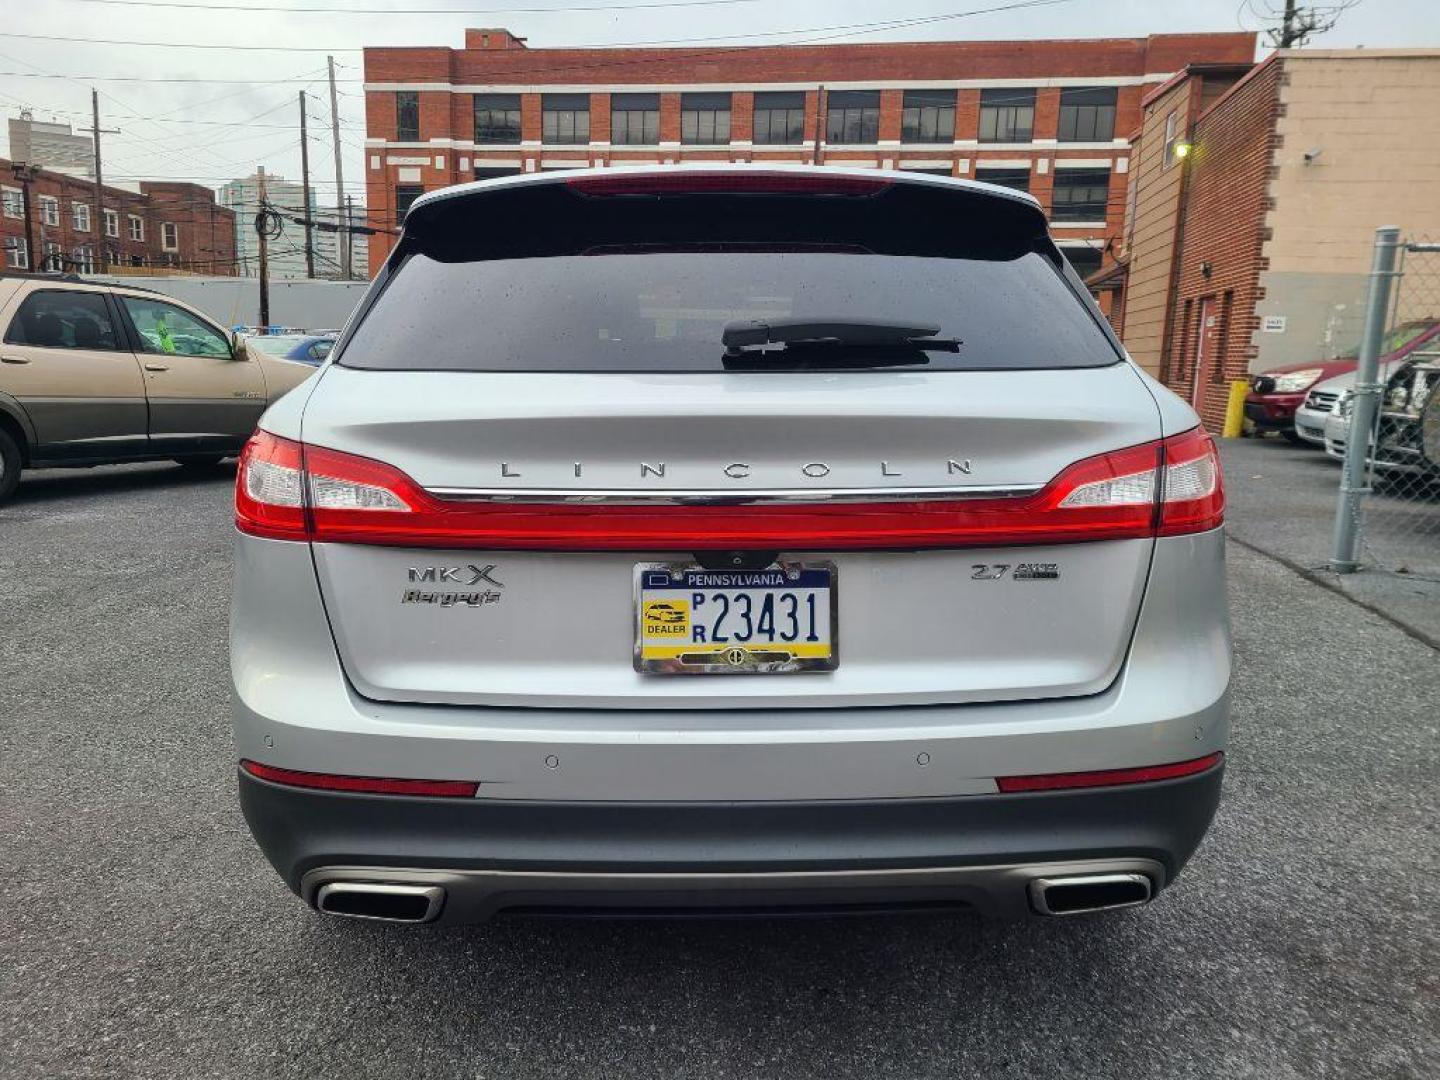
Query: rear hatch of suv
x: 535, y: 462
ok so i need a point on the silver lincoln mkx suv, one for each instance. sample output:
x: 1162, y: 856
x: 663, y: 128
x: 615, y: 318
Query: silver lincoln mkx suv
x: 728, y: 539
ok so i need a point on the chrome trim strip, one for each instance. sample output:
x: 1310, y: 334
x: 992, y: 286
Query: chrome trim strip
x: 737, y: 497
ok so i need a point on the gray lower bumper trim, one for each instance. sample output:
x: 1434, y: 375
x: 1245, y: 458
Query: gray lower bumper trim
x: 475, y: 895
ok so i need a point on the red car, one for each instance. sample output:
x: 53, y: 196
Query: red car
x: 1276, y: 394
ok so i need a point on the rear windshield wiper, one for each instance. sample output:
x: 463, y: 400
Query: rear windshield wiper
x: 838, y: 343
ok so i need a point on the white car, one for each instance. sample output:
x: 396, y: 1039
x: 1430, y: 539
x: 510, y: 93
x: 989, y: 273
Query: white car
x: 728, y: 537
x: 1322, y: 401
x: 1310, y: 417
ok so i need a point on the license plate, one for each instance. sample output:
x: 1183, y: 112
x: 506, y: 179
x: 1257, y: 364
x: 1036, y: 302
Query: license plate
x: 693, y: 621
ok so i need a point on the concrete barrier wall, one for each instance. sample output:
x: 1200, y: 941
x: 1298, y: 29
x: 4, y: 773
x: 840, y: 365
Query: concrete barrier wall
x: 236, y: 301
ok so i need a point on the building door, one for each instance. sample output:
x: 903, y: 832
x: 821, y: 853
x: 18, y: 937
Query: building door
x: 1206, y: 343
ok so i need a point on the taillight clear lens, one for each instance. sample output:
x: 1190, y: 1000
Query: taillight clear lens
x: 333, y: 493
x: 273, y: 484
x: 1137, y: 488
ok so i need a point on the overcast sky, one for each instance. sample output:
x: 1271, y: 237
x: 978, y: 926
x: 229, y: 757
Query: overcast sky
x: 175, y: 129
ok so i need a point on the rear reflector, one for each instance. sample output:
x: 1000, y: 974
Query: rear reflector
x: 452, y: 789
x: 287, y: 491
x: 1107, y: 777
x: 757, y: 183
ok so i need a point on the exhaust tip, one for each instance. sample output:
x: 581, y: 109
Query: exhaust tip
x: 1087, y: 893
x: 382, y: 903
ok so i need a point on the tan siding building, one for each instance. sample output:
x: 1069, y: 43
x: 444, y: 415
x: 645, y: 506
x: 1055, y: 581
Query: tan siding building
x: 1358, y: 147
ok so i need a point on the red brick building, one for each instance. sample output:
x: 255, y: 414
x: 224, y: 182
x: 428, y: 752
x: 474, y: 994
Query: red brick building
x: 163, y: 225
x: 1049, y: 116
x: 1217, y: 281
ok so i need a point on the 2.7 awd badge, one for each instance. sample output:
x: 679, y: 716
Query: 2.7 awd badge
x: 466, y: 578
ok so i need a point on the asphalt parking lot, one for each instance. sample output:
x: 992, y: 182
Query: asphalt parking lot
x: 142, y: 934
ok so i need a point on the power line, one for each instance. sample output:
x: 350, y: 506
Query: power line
x: 144, y: 79
x: 863, y: 27
x: 289, y: 10
x: 826, y: 33
x: 184, y: 44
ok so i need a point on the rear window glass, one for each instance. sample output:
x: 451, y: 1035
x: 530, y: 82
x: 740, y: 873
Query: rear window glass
x: 649, y: 285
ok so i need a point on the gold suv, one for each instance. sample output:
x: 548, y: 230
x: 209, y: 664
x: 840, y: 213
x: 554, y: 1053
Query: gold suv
x: 98, y: 374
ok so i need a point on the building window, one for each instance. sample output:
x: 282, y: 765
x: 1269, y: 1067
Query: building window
x: 82, y: 259
x: 1085, y: 260
x: 705, y: 119
x: 17, y: 253
x: 779, y: 118
x: 49, y: 210
x: 137, y: 260
x: 169, y: 236
x: 13, y: 202
x: 497, y: 118
x: 112, y: 223
x: 1087, y: 114
x: 565, y: 119
x: 137, y: 227
x: 928, y: 116
x: 54, y: 261
x: 1018, y: 179
x: 405, y: 194
x: 1172, y: 136
x: 928, y: 170
x: 634, y: 119
x: 407, y: 116
x: 482, y: 173
x: 1007, y: 116
x: 852, y: 117
x: 80, y: 214
x: 1080, y: 195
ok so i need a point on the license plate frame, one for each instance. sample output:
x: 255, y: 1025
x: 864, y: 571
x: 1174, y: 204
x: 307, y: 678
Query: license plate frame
x: 735, y: 658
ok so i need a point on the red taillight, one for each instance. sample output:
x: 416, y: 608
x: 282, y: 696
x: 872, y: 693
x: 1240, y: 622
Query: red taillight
x: 350, y: 499
x: 374, y: 785
x: 1108, y: 777
x: 270, y: 488
x: 724, y: 183
x: 1194, y: 488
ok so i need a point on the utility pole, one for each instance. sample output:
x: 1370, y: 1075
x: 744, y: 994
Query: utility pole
x: 339, y: 171
x: 99, y: 182
x: 1298, y: 24
x: 305, y: 184
x: 99, y: 223
x: 262, y: 225
x: 349, y: 260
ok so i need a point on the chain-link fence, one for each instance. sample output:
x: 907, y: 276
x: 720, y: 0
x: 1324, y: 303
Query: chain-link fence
x: 1389, y: 513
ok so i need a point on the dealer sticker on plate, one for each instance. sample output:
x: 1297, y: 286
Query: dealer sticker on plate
x: 693, y: 621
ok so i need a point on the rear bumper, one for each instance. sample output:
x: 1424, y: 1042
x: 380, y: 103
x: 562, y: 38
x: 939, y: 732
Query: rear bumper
x: 493, y: 855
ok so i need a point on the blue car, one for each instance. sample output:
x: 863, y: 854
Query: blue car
x: 305, y: 348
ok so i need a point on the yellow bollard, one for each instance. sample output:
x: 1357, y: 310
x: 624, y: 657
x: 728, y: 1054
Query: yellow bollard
x: 1235, y: 409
